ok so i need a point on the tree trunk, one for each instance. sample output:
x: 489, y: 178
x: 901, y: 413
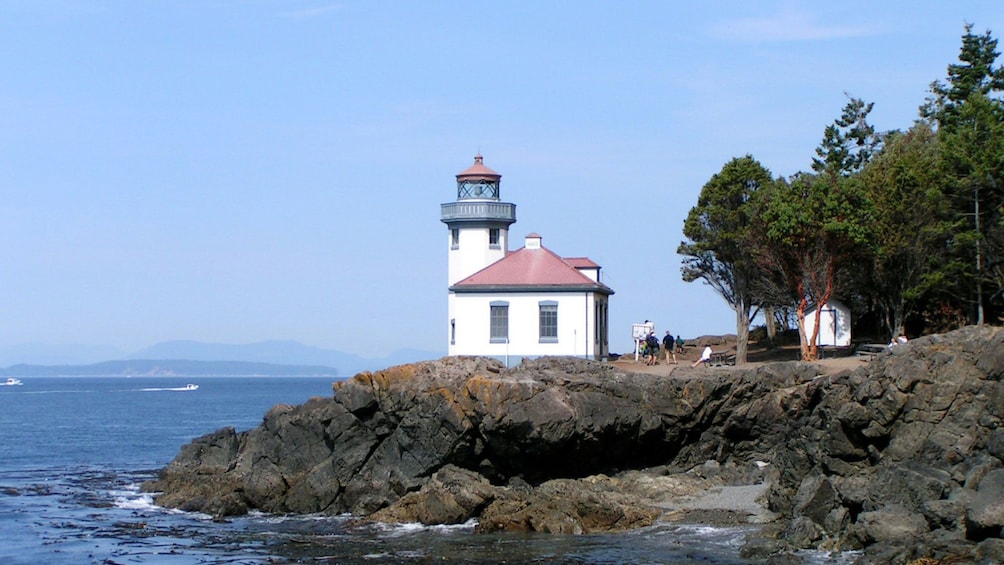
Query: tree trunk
x: 771, y: 324
x: 814, y: 338
x: 803, y: 341
x: 742, y: 332
x: 897, y: 323
x: 820, y: 302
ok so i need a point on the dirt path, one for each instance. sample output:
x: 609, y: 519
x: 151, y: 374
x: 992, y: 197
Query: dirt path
x: 830, y: 366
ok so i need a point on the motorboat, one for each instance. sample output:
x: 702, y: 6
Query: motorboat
x: 190, y: 386
x: 11, y: 381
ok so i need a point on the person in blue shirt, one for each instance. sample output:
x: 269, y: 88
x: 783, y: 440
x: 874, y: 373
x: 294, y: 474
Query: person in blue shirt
x: 669, y: 346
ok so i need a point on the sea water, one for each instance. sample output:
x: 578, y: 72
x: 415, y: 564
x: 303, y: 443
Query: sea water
x: 74, y: 451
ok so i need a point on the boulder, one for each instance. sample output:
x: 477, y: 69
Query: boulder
x: 451, y: 496
x: 985, y: 512
x: 565, y: 506
x: 889, y: 525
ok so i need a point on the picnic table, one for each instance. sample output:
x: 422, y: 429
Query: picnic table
x: 722, y: 358
x: 832, y: 351
x: 870, y: 349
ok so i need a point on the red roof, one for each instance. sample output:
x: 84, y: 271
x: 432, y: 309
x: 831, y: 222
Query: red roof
x: 478, y: 171
x: 531, y: 268
x: 581, y: 262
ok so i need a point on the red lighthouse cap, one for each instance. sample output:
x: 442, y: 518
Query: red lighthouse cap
x: 478, y: 171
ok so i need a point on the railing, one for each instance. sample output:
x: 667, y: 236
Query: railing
x: 502, y: 211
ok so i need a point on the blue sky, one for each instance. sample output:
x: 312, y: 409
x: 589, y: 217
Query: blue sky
x: 235, y: 171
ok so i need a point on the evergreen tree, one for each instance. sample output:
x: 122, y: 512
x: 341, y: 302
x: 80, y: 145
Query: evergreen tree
x: 974, y: 73
x: 968, y: 114
x: 973, y: 165
x: 849, y: 142
x: 912, y: 227
x: 717, y: 230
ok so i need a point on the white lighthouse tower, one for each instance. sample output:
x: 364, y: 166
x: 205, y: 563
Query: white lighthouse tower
x: 478, y: 233
x: 478, y: 222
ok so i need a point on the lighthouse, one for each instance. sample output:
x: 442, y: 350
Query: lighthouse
x: 478, y: 221
x: 518, y: 304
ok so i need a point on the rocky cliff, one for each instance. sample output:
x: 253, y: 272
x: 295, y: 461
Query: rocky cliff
x: 901, y: 457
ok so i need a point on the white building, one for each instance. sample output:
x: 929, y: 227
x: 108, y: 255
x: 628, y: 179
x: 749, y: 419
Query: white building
x: 525, y: 303
x: 834, y: 324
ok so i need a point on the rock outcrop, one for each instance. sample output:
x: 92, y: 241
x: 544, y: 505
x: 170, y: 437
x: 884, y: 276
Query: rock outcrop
x: 901, y: 457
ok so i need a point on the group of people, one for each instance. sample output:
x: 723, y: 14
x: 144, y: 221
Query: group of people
x: 670, y: 345
x: 649, y: 348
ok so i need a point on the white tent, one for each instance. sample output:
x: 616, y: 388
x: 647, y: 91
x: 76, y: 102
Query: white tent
x: 834, y: 324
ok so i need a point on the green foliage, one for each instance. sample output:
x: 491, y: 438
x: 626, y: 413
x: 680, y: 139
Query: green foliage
x: 849, y: 142
x: 717, y: 226
x: 812, y: 222
x: 974, y: 73
x: 971, y: 136
x: 717, y: 229
x: 913, y: 225
x: 909, y: 225
x: 815, y: 228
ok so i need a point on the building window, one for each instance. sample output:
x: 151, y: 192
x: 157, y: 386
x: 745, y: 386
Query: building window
x: 499, y: 322
x: 453, y: 331
x: 454, y: 238
x: 548, y: 321
x: 493, y: 238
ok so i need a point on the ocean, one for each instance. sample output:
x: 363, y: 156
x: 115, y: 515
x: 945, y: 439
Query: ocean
x: 74, y: 451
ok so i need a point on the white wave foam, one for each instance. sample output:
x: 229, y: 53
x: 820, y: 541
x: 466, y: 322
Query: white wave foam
x: 266, y: 518
x: 408, y: 528
x: 144, y: 502
x: 720, y: 536
x: 134, y: 500
x: 830, y: 557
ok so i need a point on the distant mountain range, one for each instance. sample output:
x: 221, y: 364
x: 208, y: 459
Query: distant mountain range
x: 171, y: 367
x: 197, y: 358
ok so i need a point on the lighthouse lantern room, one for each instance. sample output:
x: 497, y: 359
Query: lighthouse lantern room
x: 478, y: 221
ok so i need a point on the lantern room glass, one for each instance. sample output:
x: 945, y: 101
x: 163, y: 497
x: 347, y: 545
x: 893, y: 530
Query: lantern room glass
x: 478, y: 189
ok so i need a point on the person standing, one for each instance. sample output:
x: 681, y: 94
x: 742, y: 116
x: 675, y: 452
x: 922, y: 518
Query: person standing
x: 653, y: 349
x: 669, y: 346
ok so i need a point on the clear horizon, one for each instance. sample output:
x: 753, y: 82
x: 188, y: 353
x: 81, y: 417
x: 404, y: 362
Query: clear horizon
x: 243, y: 172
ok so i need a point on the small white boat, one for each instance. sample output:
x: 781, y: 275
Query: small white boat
x: 11, y: 381
x: 190, y: 386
